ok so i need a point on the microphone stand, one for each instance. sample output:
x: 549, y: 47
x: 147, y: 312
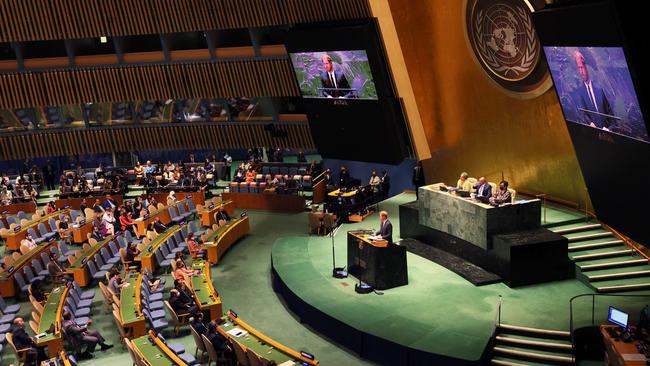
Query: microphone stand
x: 337, y: 272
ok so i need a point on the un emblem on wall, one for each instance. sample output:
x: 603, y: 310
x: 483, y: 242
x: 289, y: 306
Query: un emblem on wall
x: 502, y: 36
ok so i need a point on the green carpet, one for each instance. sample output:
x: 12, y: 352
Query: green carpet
x: 438, y: 312
x: 243, y: 280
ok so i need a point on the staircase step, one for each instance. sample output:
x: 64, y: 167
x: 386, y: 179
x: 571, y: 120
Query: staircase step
x: 604, y: 234
x: 604, y: 265
x: 537, y: 331
x: 625, y: 287
x: 606, y: 271
x: 623, y: 284
x: 607, y: 254
x: 496, y: 361
x: 576, y: 229
x: 526, y: 354
x: 596, y: 245
x: 534, y: 343
x: 619, y: 275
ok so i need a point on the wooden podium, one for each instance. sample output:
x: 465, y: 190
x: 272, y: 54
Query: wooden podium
x: 375, y: 262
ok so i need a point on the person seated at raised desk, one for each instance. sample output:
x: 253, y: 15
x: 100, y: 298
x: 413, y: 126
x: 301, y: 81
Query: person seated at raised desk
x: 222, y: 214
x: 182, y: 272
x: 463, y: 183
x: 35, y: 354
x: 98, y: 231
x: 156, y: 226
x: 83, y: 335
x: 28, y: 242
x: 115, y: 282
x: 194, y: 247
x: 36, y: 289
x: 179, y: 305
x: 483, y: 188
x: 502, y: 195
x: 131, y: 252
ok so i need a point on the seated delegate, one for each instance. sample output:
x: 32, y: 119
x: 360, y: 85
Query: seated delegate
x: 483, y: 188
x: 463, y: 183
x: 502, y: 195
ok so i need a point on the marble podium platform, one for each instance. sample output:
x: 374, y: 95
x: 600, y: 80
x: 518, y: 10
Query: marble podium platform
x: 473, y: 221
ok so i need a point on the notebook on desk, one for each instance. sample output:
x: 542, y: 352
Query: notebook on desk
x: 483, y: 199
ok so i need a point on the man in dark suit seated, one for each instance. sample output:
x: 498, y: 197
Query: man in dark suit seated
x: 385, y: 228
x: 109, y: 203
x: 83, y: 335
x: 222, y: 215
x: 331, y: 80
x: 483, y: 188
x: 179, y: 306
x: 35, y: 354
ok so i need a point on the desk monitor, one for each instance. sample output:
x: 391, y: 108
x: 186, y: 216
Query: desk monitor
x: 618, y: 317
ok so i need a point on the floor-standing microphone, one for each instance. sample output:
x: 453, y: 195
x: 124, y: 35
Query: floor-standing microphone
x: 337, y: 272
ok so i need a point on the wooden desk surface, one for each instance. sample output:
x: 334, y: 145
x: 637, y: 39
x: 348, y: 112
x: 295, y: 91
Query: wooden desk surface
x: 225, y: 237
x: 348, y: 194
x: 207, y: 213
x: 130, y: 301
x: 204, y: 293
x: 156, y: 353
x: 34, y: 224
x: 85, y: 257
x: 14, y: 208
x: 51, y: 318
x: 149, y: 249
x: 260, y: 343
x: 620, y: 353
x: 366, y: 238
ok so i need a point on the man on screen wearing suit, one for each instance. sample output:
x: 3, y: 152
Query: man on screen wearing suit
x: 385, y: 228
x: 331, y: 80
x: 591, y: 98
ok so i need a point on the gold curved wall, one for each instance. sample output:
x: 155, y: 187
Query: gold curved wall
x: 469, y: 123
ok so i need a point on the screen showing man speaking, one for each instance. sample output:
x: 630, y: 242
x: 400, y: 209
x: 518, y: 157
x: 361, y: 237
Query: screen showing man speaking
x: 334, y: 74
x: 595, y: 89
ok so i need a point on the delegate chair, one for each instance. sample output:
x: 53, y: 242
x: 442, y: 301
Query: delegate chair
x: 179, y: 319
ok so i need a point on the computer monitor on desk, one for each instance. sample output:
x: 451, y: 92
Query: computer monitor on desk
x: 617, y: 317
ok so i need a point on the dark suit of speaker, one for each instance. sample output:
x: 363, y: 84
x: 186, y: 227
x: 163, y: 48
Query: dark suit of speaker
x: 585, y: 101
x: 386, y: 231
x: 330, y: 86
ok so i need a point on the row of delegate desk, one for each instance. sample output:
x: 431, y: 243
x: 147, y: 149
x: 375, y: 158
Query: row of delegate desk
x: 50, y: 323
x: 260, y: 343
x: 205, y: 295
x: 147, y: 256
x: 75, y: 202
x: 141, y: 223
x: 224, y: 237
x: 215, y: 246
x: 79, y: 268
x: 7, y: 281
x: 14, y: 208
x: 14, y: 237
x: 207, y: 213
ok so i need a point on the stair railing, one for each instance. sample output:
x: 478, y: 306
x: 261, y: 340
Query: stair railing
x: 497, y: 320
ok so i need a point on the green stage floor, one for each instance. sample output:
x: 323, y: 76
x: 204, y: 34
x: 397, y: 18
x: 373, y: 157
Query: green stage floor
x: 437, y: 312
